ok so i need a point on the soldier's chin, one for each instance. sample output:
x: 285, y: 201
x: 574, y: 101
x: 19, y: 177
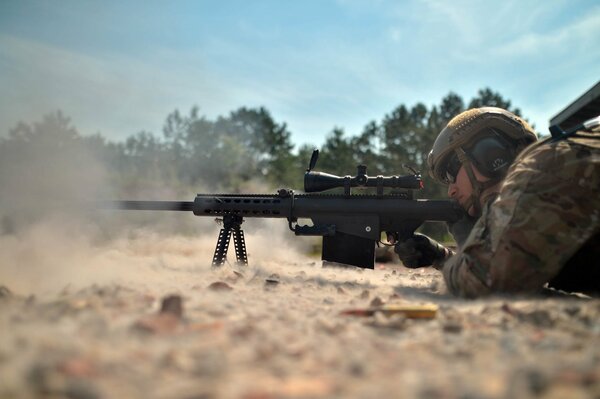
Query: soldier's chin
x: 464, y: 205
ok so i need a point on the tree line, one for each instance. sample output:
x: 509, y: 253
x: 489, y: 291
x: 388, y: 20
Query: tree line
x: 248, y: 145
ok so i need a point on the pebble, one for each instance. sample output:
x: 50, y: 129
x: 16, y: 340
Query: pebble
x: 220, y: 286
x: 272, y: 280
x: 376, y: 302
x: 5, y: 292
x: 172, y: 304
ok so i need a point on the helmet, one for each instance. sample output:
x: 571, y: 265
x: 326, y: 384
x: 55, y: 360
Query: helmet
x: 489, y: 137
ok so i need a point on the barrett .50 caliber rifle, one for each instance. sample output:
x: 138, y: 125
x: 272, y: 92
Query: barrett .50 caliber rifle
x: 350, y: 224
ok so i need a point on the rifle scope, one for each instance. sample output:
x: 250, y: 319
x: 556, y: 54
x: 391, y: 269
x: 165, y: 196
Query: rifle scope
x: 320, y: 181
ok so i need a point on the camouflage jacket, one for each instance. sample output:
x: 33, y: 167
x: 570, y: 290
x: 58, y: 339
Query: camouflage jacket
x: 547, y: 209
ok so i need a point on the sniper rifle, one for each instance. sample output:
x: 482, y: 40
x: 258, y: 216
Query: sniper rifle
x: 350, y: 224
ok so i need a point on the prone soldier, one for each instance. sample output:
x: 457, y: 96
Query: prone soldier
x: 533, y: 207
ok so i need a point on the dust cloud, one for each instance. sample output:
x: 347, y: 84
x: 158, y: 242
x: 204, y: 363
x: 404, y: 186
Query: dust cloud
x: 53, y: 238
x: 59, y: 253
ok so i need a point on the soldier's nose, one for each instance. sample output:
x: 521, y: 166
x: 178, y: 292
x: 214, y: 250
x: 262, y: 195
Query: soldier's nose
x: 452, y: 190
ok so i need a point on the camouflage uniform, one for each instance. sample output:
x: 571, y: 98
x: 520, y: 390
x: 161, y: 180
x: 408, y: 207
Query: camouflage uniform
x: 544, y: 225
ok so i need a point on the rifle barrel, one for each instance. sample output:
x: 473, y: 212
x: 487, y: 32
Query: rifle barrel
x: 184, y: 206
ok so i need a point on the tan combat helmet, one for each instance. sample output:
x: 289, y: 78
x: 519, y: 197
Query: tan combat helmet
x: 462, y: 135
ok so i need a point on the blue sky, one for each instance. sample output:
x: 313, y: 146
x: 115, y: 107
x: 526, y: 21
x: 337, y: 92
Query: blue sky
x: 119, y: 67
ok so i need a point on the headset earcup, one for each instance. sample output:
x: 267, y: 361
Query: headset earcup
x: 492, y: 156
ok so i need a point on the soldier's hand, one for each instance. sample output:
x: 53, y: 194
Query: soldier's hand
x: 461, y: 229
x: 420, y: 251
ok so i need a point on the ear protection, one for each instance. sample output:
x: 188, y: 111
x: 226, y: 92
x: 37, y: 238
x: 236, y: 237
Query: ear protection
x: 492, y: 155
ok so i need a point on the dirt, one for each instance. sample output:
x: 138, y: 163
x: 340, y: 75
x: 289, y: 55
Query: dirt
x: 146, y: 316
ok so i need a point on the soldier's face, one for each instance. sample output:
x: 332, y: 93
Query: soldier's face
x: 461, y: 189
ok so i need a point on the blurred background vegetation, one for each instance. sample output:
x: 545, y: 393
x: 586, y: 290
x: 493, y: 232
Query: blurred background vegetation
x: 247, y: 149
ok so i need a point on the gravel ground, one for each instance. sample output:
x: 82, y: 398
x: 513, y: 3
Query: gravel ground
x: 146, y: 316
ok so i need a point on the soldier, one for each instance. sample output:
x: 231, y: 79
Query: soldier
x: 533, y: 216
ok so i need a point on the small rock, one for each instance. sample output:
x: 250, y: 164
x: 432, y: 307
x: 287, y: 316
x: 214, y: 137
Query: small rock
x: 570, y: 310
x: 365, y: 294
x: 273, y: 279
x: 356, y: 368
x: 172, y: 304
x: 452, y: 322
x: 5, y: 292
x: 508, y: 309
x: 452, y: 326
x: 376, y: 302
x: 220, y: 286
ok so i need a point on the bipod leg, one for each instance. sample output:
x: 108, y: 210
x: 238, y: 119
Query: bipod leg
x: 240, y: 247
x: 222, y: 247
x: 230, y: 223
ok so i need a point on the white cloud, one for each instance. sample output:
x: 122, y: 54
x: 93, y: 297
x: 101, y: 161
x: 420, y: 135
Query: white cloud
x: 581, y: 35
x: 114, y: 94
x: 118, y: 95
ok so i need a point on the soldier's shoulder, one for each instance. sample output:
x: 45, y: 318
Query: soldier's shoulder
x: 588, y: 136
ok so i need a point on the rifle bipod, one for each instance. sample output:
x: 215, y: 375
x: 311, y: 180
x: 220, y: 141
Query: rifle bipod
x: 231, y: 223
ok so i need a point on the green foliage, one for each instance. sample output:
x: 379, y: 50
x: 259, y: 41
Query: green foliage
x: 337, y: 154
x: 248, y: 144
